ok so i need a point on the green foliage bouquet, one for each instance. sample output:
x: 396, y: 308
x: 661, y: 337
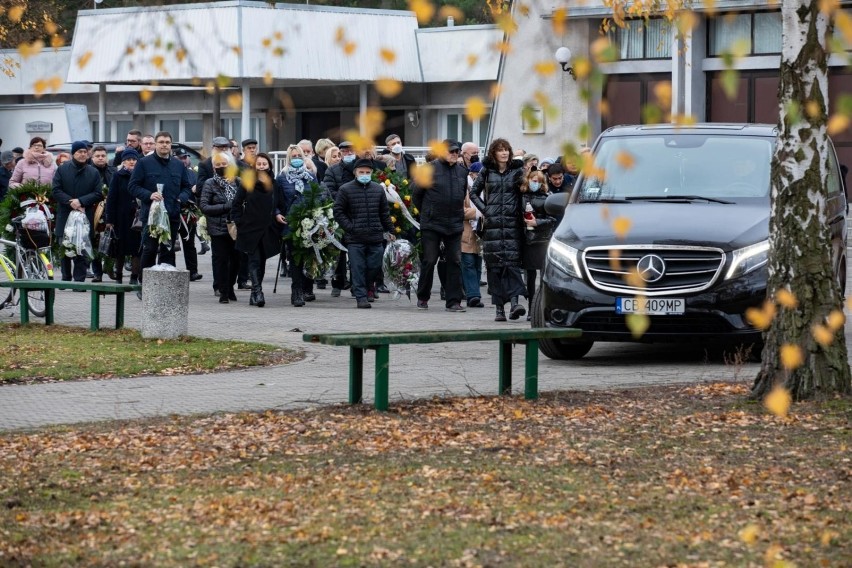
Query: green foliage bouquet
x: 314, y: 233
x: 11, y: 207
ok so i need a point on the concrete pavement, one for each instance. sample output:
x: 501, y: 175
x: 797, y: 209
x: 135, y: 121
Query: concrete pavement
x: 417, y: 371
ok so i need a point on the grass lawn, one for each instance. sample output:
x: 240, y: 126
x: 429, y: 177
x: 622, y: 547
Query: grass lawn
x: 663, y: 476
x: 37, y: 353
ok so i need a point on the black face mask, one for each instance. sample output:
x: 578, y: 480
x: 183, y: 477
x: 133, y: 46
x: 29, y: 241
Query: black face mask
x: 474, y: 158
x: 221, y: 172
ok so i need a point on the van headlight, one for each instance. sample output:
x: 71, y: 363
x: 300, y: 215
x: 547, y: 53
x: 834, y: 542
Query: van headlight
x: 564, y: 258
x: 748, y: 259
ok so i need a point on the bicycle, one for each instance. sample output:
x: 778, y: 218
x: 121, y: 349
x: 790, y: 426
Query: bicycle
x: 32, y: 261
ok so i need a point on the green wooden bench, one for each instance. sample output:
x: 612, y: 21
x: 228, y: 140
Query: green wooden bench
x: 97, y: 290
x: 381, y: 342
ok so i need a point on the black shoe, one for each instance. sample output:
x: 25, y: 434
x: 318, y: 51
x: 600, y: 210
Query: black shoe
x: 98, y: 279
x: 309, y: 297
x: 216, y: 292
x: 501, y: 314
x: 139, y: 294
x: 364, y: 304
x: 382, y: 289
x: 422, y: 305
x: 347, y: 285
x: 194, y: 277
x: 443, y: 294
x: 475, y: 303
x: 243, y: 286
x: 90, y: 274
x: 204, y: 248
x: 223, y: 299
x: 232, y: 296
x: 321, y: 284
x: 134, y: 280
x: 259, y: 300
x: 455, y: 308
x: 516, y: 311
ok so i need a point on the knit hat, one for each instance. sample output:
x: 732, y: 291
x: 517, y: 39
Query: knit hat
x: 476, y: 167
x: 78, y: 145
x: 129, y: 153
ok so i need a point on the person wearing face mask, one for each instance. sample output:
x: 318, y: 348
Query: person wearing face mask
x: 119, y: 213
x: 217, y: 197
x: 404, y: 162
x: 290, y: 184
x: 539, y: 228
x: 361, y: 208
x: 469, y: 154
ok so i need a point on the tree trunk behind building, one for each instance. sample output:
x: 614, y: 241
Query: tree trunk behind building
x: 800, y: 240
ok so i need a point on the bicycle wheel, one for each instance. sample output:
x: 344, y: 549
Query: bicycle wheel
x: 34, y: 269
x: 7, y: 274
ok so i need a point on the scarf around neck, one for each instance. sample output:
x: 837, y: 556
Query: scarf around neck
x: 44, y: 157
x: 229, y: 188
x: 298, y: 178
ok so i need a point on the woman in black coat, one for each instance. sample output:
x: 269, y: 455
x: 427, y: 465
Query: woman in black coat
x: 120, y: 212
x: 539, y: 228
x: 258, y: 231
x: 217, y: 198
x: 497, y: 194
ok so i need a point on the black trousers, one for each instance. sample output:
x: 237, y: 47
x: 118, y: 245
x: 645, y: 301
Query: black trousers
x: 152, y: 251
x: 226, y: 262
x: 190, y: 254
x: 80, y: 263
x: 431, y: 242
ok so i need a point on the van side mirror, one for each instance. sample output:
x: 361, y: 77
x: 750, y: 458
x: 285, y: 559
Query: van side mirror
x: 556, y: 203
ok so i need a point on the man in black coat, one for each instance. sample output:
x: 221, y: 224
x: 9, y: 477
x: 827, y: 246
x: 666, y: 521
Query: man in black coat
x: 105, y: 170
x: 160, y: 177
x: 205, y: 167
x: 77, y: 186
x: 442, y: 222
x: 362, y: 211
x: 7, y: 165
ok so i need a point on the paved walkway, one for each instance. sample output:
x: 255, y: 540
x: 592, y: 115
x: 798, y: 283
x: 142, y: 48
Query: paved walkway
x: 322, y: 377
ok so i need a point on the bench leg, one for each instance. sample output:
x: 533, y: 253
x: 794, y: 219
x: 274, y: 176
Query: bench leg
x: 531, y: 370
x: 49, y: 296
x: 382, y: 376
x: 96, y: 311
x: 119, y: 310
x: 24, y: 304
x: 505, y: 386
x: 356, y: 375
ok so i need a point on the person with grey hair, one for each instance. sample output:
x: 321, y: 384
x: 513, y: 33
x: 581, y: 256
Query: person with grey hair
x: 7, y: 164
x: 469, y: 154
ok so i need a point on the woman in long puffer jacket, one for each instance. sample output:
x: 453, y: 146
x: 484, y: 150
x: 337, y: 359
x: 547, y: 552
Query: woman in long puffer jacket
x: 497, y: 194
x: 37, y: 164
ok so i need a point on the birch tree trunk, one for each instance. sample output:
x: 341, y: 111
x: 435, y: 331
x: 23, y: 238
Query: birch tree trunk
x: 800, y: 240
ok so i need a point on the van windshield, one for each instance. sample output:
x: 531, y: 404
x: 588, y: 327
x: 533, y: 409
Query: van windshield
x: 711, y: 166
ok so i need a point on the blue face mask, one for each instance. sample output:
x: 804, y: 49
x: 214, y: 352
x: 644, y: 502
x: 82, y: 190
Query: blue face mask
x: 535, y: 185
x: 350, y: 158
x: 365, y: 179
x: 297, y: 163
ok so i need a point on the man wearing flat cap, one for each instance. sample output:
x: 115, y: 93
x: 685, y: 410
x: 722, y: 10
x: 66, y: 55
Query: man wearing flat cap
x: 77, y: 186
x: 205, y: 167
x: 249, y: 151
x: 362, y: 211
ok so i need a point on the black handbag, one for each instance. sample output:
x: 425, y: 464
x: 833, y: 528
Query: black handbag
x: 108, y: 244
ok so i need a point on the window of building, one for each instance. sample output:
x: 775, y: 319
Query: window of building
x: 193, y: 131
x: 231, y: 127
x: 455, y: 125
x: 172, y: 126
x: 641, y: 40
x: 758, y: 32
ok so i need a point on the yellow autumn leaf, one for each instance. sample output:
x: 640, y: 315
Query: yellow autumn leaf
x: 472, y: 59
x: 372, y: 121
x: 387, y: 54
x: 388, y: 88
x: 503, y: 47
x: 836, y: 319
x: 749, y: 534
x: 828, y: 536
x: 180, y: 55
x: 267, y: 78
x: 843, y: 22
x: 16, y: 13
x: 349, y: 48
x: 663, y: 93
x: 560, y: 16
x: 474, y: 109
x: 339, y: 34
x: 248, y: 178
x: 812, y: 109
x: 423, y: 175
x: 50, y: 27
x: 266, y: 42
x: 615, y: 260
x: 633, y: 279
x: 39, y: 87
x: 423, y: 10
x: 235, y: 101
x: 278, y: 35
x: 145, y: 95
x: 28, y: 50
x: 223, y: 81
x: 822, y: 335
x: 582, y: 67
x: 158, y: 61
x: 506, y: 23
x: 792, y: 356
x: 83, y: 60
x: 603, y: 107
x: 686, y: 21
x: 545, y: 68
x: 761, y: 318
x: 837, y: 124
x: 57, y: 41
x: 55, y: 83
x: 638, y: 324
x: 437, y: 147
x: 210, y: 87
x: 778, y: 401
x: 786, y: 298
x: 494, y: 92
x: 451, y: 12
x: 625, y: 159
x: 621, y: 226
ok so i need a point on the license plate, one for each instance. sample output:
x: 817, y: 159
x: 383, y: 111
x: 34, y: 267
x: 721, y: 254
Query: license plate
x: 650, y: 306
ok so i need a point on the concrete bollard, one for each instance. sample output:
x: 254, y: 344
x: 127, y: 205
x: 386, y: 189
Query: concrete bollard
x: 165, y: 302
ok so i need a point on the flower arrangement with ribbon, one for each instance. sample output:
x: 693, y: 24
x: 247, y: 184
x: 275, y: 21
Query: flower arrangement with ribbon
x: 314, y: 232
x: 401, y: 267
x: 11, y: 206
x: 398, y: 193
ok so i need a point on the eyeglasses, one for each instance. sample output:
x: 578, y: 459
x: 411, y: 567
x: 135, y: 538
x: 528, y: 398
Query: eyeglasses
x: 454, y: 151
x: 131, y: 140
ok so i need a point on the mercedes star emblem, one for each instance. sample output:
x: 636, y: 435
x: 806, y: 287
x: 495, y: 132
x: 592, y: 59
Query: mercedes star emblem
x: 651, y: 267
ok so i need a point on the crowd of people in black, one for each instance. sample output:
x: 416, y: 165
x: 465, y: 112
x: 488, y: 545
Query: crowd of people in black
x: 476, y: 209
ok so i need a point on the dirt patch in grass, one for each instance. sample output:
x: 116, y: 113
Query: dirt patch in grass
x: 665, y: 476
x: 37, y: 353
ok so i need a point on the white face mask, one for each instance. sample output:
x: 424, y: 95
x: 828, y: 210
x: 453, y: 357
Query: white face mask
x: 397, y: 149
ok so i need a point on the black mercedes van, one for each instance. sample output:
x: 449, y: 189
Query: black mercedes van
x: 694, y: 206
